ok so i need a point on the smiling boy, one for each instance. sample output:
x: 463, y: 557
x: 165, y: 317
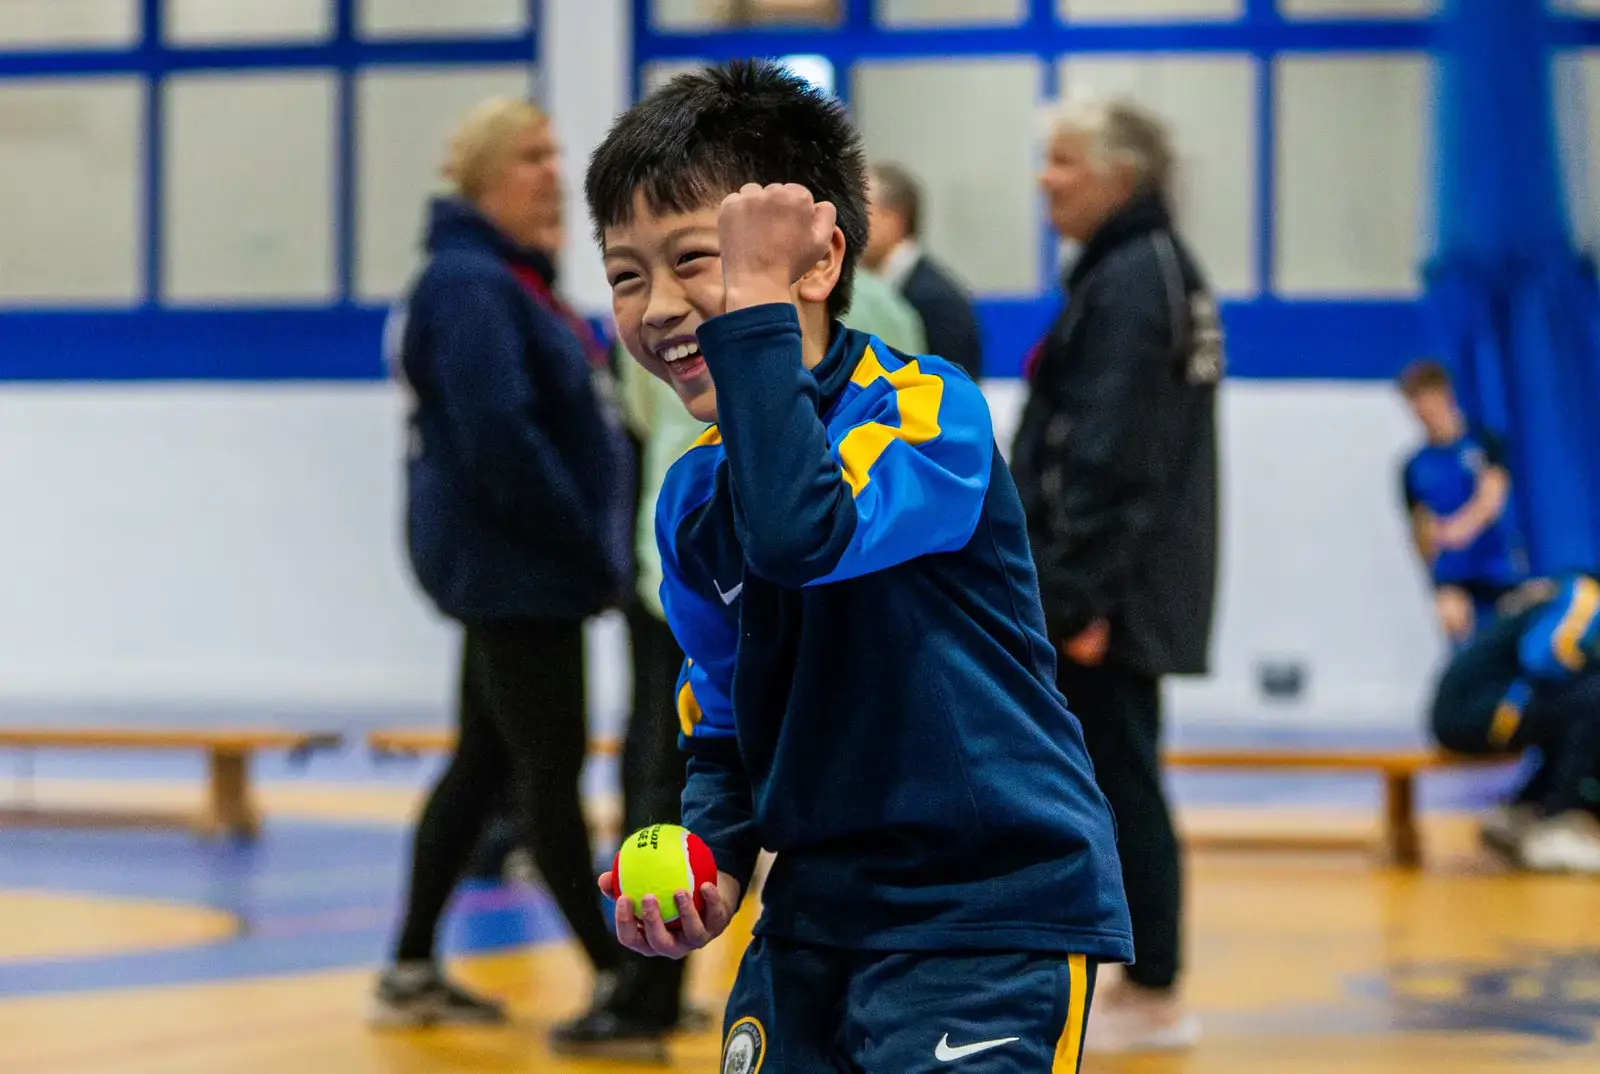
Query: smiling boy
x: 869, y: 690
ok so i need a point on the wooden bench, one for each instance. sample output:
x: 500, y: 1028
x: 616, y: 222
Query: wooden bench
x: 414, y: 743
x: 1398, y: 770
x: 230, y: 808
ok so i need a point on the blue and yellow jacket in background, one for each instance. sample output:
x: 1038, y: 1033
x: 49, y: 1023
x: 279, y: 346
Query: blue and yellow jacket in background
x: 869, y: 691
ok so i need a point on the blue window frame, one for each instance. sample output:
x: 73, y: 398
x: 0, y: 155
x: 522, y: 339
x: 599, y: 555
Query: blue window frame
x: 1269, y: 336
x: 339, y: 340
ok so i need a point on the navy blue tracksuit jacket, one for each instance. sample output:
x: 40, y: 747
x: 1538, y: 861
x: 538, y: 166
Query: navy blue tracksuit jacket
x: 869, y: 691
x: 517, y: 473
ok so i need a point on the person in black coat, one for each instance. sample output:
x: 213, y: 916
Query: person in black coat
x: 517, y: 526
x: 893, y: 252
x: 1116, y: 461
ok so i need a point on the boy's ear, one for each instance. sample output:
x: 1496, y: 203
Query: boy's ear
x: 818, y: 283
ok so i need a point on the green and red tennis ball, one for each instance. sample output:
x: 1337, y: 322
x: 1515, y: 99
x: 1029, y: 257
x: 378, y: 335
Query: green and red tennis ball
x: 662, y: 860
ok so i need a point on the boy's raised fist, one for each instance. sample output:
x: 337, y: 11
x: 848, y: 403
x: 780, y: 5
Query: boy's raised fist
x: 771, y: 236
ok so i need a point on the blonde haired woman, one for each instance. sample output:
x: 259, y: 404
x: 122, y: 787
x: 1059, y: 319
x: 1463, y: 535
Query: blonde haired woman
x: 517, y: 515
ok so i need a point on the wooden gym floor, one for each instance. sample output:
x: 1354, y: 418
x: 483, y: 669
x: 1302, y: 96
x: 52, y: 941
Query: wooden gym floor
x: 135, y: 952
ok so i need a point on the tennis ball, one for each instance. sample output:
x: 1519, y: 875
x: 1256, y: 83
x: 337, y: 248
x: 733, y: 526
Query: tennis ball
x: 662, y: 860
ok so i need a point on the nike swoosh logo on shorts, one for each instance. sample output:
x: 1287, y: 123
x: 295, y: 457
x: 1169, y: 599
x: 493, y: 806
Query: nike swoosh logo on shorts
x: 731, y: 595
x: 946, y: 1054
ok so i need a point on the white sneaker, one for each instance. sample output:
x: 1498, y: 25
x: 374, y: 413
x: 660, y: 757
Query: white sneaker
x: 1569, y: 843
x: 1127, y: 1018
x: 1503, y: 828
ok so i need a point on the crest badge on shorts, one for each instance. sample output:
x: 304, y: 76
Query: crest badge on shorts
x: 745, y: 1048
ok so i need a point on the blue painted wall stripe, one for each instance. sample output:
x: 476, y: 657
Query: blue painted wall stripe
x: 1267, y: 339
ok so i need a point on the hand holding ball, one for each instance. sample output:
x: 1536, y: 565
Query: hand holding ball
x: 662, y: 860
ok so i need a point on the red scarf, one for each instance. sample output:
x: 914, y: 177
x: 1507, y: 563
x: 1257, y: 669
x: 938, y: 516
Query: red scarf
x: 536, y: 286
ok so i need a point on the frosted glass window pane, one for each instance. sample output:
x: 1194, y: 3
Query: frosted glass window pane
x: 950, y: 12
x: 1209, y: 104
x: 968, y: 130
x: 27, y: 24
x: 660, y: 72
x: 442, y: 18
x: 249, y: 187
x: 1358, y: 9
x: 200, y: 22
x: 711, y: 14
x: 1352, y: 137
x: 405, y: 118
x: 72, y: 184
x: 1149, y: 10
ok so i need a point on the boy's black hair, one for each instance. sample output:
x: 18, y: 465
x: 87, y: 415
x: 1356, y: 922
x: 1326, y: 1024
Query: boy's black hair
x: 705, y: 134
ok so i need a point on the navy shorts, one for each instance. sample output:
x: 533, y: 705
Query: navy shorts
x: 797, y: 1009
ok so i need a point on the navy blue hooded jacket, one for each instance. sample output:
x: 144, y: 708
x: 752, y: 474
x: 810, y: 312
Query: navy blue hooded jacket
x: 869, y: 691
x: 517, y: 467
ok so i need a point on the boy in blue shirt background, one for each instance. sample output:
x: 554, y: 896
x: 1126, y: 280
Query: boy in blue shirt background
x: 1457, y: 490
x: 868, y: 690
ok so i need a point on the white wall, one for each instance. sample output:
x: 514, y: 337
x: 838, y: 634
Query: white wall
x: 227, y: 544
x: 1316, y: 565
x: 208, y: 542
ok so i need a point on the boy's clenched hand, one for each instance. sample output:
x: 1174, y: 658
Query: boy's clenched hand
x: 771, y: 236
x: 646, y: 934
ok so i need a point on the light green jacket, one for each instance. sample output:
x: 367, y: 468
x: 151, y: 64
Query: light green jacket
x: 657, y: 417
x: 878, y: 309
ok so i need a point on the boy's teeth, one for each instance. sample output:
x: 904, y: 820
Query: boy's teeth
x: 681, y: 351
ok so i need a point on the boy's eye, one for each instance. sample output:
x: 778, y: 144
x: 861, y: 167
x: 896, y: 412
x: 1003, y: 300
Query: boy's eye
x: 621, y: 278
x: 693, y: 255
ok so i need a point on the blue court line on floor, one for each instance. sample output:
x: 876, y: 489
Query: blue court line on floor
x: 307, y: 898
x: 322, y: 896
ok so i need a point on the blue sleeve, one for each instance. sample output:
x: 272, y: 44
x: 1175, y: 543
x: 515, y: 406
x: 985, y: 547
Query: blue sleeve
x: 907, y: 480
x: 489, y: 405
x: 1559, y: 642
x: 717, y: 803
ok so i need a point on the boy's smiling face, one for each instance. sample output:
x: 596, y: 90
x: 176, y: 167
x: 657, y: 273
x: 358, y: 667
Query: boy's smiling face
x: 700, y: 208
x: 665, y: 273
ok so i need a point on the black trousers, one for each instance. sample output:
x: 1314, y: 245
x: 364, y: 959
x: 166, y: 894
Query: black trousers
x: 1120, y: 711
x: 523, y: 740
x: 653, y: 776
x: 1486, y: 704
